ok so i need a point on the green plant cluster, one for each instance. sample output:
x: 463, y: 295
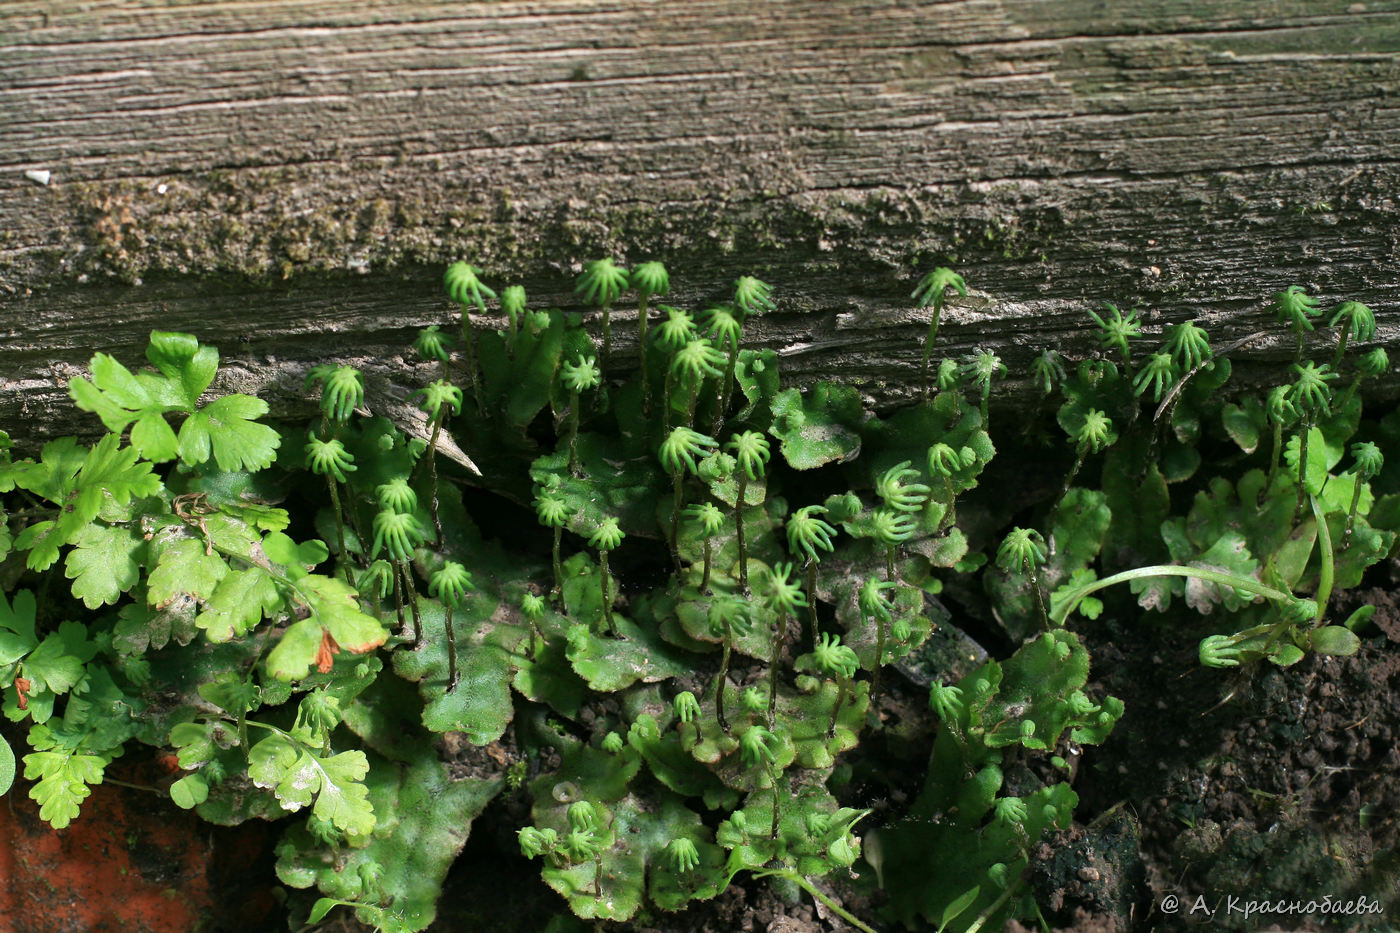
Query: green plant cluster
x: 696, y: 726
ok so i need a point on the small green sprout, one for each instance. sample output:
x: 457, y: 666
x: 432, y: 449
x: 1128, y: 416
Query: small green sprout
x: 439, y: 399
x: 1293, y: 307
x: 946, y: 701
x: 1092, y: 435
x: 930, y: 293
x: 578, y: 378
x: 650, y: 279
x: 583, y: 815
x: 607, y: 537
x: 450, y: 585
x: 331, y: 460
x: 1011, y: 809
x: 874, y: 604
x: 1367, y: 464
x: 396, y: 495
x: 1310, y: 393
x: 726, y: 616
x: 535, y: 842
x: 554, y: 513
x: 580, y: 845
x: 532, y: 606
x: 807, y: 534
x: 944, y: 461
x: 1280, y: 408
x: 1357, y: 322
x: 981, y: 367
x: 725, y: 328
x: 1374, y: 362
x: 949, y: 376
x: 686, y: 706
x: 398, y: 534
x: 1117, y: 329
x: 1023, y: 550
x: 753, y: 296
x: 612, y: 743
x: 1188, y: 345
x: 1157, y: 373
x: 599, y: 284
x: 751, y: 453
x: 376, y: 580
x: 833, y: 658
x: 891, y: 529
x: 677, y: 454
x: 1048, y: 370
x: 691, y: 364
x: 891, y: 488
x: 513, y: 304
x: 1219, y: 651
x: 342, y: 392
x: 783, y: 598
x: 711, y: 521
x: 1096, y: 431
x: 1312, y: 397
x: 464, y: 286
x: 676, y: 331
x: 684, y: 857
x: 754, y: 701
x: 756, y: 746
x: 433, y: 344
x: 1281, y: 413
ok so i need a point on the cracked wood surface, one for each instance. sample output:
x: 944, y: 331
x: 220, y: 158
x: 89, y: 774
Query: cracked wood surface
x: 288, y: 179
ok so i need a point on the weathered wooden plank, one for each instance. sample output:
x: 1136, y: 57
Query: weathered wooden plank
x: 297, y: 173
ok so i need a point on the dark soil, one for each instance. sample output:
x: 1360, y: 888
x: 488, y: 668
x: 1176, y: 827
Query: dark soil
x: 1218, y: 790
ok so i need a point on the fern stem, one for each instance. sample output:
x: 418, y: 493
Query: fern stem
x: 1167, y: 570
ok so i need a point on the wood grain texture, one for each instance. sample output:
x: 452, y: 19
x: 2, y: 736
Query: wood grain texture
x: 287, y: 179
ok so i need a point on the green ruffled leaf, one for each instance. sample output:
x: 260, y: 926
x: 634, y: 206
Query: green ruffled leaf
x: 335, y: 613
x: 297, y: 776
x: 64, y: 775
x: 227, y: 428
x: 238, y: 604
x: 182, y: 567
x: 104, y: 564
x: 820, y: 428
x: 424, y: 820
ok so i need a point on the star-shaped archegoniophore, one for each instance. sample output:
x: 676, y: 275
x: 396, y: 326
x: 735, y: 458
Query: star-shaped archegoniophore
x: 1116, y: 328
x: 601, y: 281
x: 752, y: 295
x: 580, y: 376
